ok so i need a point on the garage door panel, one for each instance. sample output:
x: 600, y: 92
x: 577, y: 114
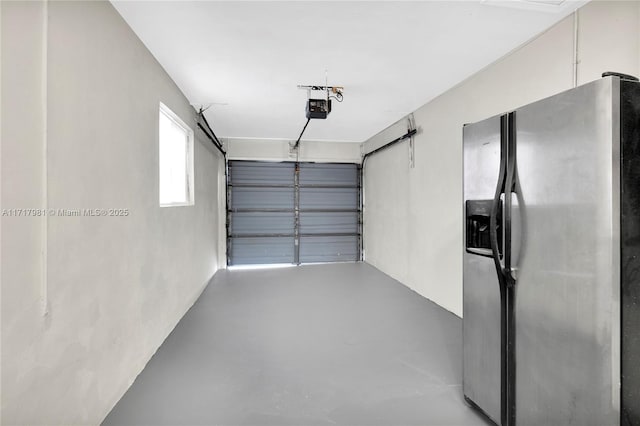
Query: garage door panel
x: 328, y: 174
x: 261, y: 251
x: 328, y: 249
x: 256, y: 173
x: 315, y: 223
x: 252, y: 223
x: 329, y: 198
x: 261, y: 198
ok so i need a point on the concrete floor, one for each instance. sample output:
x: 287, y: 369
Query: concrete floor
x: 312, y: 345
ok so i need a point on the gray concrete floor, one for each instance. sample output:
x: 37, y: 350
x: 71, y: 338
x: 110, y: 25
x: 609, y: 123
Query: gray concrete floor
x: 312, y: 345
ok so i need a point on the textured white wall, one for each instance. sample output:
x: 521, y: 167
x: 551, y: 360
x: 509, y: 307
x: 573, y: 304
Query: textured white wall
x: 77, y: 80
x: 278, y: 150
x: 413, y: 216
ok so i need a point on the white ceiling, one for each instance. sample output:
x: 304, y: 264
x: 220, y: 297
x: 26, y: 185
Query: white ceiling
x: 245, y: 59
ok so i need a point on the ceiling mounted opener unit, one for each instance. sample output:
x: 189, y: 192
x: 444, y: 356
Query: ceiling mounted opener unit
x: 318, y: 105
x: 319, y: 100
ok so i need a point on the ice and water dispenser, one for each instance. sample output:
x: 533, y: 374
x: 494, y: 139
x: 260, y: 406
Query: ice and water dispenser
x: 478, y: 238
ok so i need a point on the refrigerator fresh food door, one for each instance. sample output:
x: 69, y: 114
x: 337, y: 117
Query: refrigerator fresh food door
x: 567, y: 301
x: 481, y: 294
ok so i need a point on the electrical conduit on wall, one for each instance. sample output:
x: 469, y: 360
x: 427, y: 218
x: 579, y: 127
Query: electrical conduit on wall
x: 44, y: 285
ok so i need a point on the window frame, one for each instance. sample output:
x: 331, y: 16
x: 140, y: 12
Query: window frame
x: 190, y: 173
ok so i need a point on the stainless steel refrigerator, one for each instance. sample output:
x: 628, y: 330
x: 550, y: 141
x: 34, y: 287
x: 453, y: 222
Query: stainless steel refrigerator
x: 552, y: 259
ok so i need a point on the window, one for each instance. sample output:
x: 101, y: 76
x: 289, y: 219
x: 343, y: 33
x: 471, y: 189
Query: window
x: 176, y: 160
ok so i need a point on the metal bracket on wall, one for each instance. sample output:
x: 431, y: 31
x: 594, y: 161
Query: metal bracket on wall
x: 411, y: 126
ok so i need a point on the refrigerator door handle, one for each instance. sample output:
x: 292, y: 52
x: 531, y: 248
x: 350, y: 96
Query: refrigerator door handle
x: 497, y: 205
x: 506, y: 187
x: 510, y: 186
x: 517, y: 236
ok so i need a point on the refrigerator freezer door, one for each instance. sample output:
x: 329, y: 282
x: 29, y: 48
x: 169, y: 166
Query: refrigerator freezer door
x: 567, y: 310
x: 481, y: 300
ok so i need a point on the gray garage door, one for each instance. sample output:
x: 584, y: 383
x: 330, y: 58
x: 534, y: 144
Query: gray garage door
x: 293, y: 213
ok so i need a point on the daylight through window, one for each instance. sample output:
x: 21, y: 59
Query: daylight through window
x: 176, y: 160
